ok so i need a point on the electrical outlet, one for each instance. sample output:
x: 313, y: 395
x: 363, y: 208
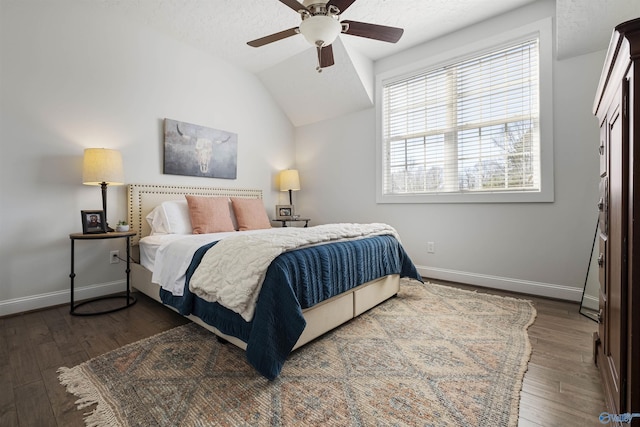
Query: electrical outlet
x: 114, y: 257
x: 431, y: 247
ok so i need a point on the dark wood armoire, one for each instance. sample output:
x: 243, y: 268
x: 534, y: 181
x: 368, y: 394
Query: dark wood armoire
x: 617, y: 107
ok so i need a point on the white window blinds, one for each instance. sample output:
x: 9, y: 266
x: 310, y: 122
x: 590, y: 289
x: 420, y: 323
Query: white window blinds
x: 471, y: 126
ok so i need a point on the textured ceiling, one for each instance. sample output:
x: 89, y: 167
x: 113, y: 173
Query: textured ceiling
x: 223, y: 27
x: 287, y: 67
x: 585, y: 26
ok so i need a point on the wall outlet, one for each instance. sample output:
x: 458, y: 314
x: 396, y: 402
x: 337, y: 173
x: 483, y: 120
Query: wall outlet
x: 114, y: 257
x: 431, y: 247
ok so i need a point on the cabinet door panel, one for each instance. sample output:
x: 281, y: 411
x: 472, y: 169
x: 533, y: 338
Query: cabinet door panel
x: 602, y: 264
x: 602, y: 150
x: 615, y: 330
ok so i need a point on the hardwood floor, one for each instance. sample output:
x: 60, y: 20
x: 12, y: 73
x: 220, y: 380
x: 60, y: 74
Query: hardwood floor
x: 561, y: 386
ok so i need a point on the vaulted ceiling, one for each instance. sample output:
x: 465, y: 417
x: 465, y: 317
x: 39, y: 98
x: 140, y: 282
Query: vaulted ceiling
x: 287, y: 67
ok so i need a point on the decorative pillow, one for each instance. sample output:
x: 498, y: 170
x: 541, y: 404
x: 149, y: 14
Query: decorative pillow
x: 209, y: 214
x: 171, y: 217
x: 250, y: 214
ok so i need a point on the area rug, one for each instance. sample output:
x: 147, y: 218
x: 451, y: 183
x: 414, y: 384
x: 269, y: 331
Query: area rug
x: 432, y: 356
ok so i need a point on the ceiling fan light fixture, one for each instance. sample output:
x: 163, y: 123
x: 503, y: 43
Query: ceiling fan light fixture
x: 319, y: 28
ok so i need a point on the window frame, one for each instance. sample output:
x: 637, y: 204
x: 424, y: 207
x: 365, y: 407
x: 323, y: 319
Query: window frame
x: 541, y: 29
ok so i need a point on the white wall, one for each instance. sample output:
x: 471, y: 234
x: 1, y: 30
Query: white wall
x: 537, y: 248
x: 74, y: 76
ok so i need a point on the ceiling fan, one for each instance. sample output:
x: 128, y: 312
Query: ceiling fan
x: 320, y: 26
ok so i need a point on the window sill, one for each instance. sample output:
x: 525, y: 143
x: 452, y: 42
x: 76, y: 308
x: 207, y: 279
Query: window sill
x: 502, y: 197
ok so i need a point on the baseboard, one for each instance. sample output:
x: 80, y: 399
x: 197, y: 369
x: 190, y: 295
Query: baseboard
x: 591, y: 302
x: 35, y: 302
x: 548, y: 290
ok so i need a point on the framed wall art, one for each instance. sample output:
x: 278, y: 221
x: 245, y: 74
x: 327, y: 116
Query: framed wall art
x: 195, y: 150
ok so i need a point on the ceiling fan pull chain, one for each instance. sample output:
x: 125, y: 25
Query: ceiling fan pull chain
x: 319, y: 43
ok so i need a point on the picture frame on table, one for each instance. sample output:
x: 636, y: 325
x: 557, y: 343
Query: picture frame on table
x: 93, y: 222
x: 284, y: 211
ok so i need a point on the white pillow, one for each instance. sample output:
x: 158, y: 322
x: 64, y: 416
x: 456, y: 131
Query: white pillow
x: 156, y: 221
x: 171, y: 217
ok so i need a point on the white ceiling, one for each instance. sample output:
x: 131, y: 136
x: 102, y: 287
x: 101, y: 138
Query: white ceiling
x: 585, y: 26
x: 287, y: 67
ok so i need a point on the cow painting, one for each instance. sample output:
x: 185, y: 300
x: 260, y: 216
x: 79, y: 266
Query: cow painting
x: 199, y: 151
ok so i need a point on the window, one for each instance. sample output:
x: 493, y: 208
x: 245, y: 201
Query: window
x: 465, y: 130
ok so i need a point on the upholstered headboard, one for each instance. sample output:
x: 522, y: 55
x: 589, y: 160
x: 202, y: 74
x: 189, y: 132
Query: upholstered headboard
x: 143, y: 198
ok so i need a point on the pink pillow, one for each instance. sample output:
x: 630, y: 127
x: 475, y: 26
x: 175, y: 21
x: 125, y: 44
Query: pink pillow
x: 250, y: 214
x: 209, y: 214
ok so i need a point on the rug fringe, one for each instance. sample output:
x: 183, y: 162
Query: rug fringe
x: 77, y: 383
x: 524, y: 366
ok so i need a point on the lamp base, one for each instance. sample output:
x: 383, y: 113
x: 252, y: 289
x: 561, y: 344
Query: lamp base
x: 103, y: 186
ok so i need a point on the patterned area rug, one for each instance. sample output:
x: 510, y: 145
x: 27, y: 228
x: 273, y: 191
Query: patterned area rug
x: 433, y: 355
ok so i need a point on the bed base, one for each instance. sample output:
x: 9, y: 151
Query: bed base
x: 321, y: 318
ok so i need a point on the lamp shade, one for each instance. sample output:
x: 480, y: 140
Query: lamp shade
x: 102, y: 165
x: 289, y: 180
x: 320, y: 30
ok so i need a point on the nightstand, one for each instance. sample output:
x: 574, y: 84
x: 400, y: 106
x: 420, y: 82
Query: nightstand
x: 130, y: 300
x: 285, y: 221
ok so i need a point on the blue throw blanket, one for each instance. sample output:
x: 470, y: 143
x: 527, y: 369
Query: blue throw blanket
x: 295, y: 280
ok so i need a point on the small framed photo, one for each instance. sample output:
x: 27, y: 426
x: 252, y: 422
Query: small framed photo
x: 284, y: 211
x: 93, y: 222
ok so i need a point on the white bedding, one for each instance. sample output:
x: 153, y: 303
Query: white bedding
x: 228, y: 273
x: 149, y: 246
x: 232, y: 275
x: 168, y: 256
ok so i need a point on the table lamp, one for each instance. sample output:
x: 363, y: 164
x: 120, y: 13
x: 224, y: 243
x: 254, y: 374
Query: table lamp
x: 289, y: 181
x: 102, y: 167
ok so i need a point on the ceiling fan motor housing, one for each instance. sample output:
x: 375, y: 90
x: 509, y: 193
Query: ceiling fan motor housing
x: 311, y: 4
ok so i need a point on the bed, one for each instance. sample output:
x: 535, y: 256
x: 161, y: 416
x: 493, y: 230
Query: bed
x: 293, y: 305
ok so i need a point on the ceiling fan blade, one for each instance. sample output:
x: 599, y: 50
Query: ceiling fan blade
x: 342, y: 5
x: 326, y: 56
x: 294, y: 4
x: 273, y: 37
x: 373, y: 31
